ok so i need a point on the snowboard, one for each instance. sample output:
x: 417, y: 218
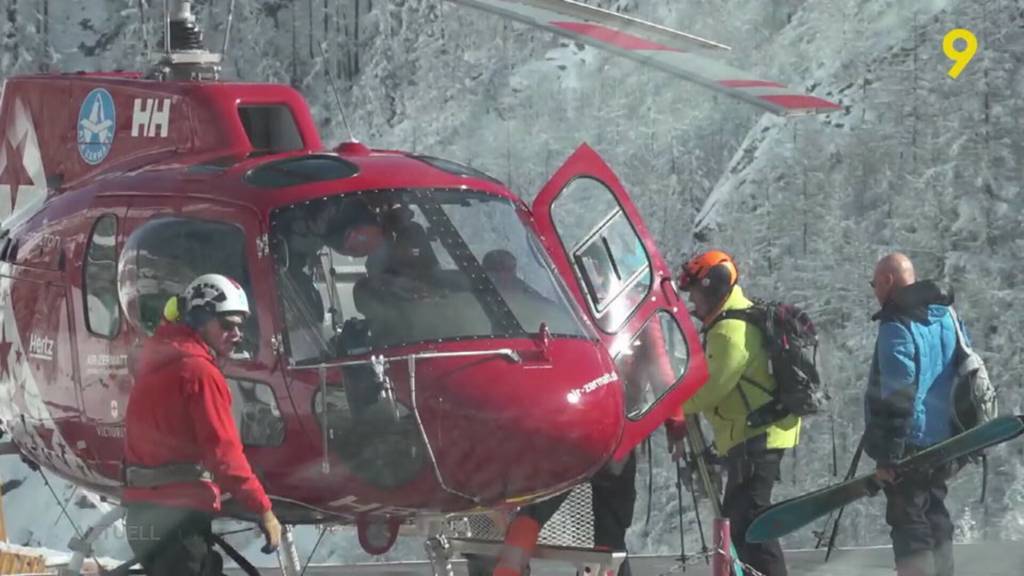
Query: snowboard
x: 790, y: 515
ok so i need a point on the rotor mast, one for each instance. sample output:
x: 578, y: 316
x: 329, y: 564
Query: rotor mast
x: 184, y: 57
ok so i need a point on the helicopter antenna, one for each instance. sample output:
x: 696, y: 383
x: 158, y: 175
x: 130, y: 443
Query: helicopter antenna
x: 337, y: 95
x: 167, y: 27
x: 142, y: 28
x: 227, y: 29
x: 184, y: 57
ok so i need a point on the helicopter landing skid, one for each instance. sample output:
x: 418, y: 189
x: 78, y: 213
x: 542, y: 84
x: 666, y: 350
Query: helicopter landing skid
x: 585, y: 560
x: 287, y: 555
x: 82, y: 547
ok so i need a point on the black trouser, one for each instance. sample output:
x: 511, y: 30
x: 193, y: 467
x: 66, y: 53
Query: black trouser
x: 922, y: 533
x: 753, y: 471
x: 171, y: 541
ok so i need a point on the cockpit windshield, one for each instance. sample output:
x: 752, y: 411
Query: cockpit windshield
x: 377, y: 269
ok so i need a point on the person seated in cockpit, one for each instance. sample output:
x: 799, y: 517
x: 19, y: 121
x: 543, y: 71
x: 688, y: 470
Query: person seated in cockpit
x: 355, y: 231
x: 529, y: 306
x: 399, y: 259
x: 410, y: 252
x: 401, y: 290
x: 501, y: 267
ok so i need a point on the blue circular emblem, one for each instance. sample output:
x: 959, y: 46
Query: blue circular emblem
x: 97, y: 121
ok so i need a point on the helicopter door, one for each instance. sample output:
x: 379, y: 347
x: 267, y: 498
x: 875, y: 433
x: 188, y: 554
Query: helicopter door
x: 601, y: 246
x: 99, y: 335
x: 165, y: 248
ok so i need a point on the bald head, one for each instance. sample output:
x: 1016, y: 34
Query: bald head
x: 892, y: 272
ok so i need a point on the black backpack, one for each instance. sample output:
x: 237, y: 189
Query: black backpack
x: 792, y: 343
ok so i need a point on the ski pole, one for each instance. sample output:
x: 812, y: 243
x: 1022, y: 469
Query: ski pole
x: 682, y: 534
x: 854, y: 464
x: 695, y: 437
x: 696, y: 512
x: 850, y: 472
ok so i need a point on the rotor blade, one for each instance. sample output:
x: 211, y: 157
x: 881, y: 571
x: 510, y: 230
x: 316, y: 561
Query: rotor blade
x: 656, y: 46
x: 537, y: 12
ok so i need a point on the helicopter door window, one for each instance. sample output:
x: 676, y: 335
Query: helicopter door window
x: 270, y: 129
x: 161, y: 257
x: 652, y: 363
x: 611, y: 265
x: 256, y: 413
x: 103, y: 314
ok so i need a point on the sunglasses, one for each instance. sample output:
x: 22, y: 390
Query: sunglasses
x: 229, y: 324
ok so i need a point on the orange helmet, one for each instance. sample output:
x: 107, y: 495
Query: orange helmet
x: 698, y: 271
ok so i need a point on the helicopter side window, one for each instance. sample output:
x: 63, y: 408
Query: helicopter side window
x: 609, y: 259
x: 256, y: 413
x: 103, y: 314
x: 270, y: 128
x: 164, y: 255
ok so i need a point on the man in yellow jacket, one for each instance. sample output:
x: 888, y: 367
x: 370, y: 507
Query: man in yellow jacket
x: 739, y: 382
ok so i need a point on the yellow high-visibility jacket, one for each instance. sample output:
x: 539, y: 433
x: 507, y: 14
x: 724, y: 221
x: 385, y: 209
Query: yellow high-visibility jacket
x: 739, y: 382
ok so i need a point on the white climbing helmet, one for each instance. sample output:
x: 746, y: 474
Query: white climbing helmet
x: 216, y: 294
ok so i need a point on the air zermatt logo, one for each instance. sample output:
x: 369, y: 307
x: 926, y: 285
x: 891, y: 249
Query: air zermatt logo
x: 96, y: 120
x: 22, y: 178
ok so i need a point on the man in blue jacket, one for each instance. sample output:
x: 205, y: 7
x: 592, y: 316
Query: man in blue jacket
x: 908, y: 408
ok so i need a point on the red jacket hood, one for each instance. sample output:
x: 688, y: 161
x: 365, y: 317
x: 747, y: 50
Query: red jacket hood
x: 172, y: 342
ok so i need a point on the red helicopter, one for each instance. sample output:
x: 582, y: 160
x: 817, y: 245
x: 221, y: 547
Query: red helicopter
x: 482, y: 358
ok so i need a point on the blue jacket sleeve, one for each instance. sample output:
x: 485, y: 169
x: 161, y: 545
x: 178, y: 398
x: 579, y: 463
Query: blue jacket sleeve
x: 898, y: 387
x: 896, y: 360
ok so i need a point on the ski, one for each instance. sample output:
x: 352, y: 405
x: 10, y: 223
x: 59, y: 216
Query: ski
x: 795, y: 513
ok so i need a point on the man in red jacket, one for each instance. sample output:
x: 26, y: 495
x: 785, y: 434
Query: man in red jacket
x: 181, y: 445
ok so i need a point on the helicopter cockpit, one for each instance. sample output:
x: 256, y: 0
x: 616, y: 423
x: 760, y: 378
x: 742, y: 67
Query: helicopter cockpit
x: 387, y: 268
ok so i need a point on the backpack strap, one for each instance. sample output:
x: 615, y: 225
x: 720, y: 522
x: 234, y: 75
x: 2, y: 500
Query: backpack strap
x: 965, y: 349
x: 742, y: 314
x: 961, y: 342
x: 734, y: 314
x: 757, y: 385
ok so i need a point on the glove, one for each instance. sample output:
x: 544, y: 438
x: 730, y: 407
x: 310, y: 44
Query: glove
x: 675, y: 430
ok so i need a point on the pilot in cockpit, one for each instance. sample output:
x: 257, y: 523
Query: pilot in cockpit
x: 400, y: 266
x: 399, y: 258
x: 501, y: 267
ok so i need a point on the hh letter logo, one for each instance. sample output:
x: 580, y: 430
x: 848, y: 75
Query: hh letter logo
x: 150, y: 115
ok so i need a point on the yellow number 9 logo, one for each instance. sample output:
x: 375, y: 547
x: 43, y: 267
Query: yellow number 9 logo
x: 960, y: 57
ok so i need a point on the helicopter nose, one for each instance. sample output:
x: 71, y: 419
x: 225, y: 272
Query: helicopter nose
x: 500, y: 430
